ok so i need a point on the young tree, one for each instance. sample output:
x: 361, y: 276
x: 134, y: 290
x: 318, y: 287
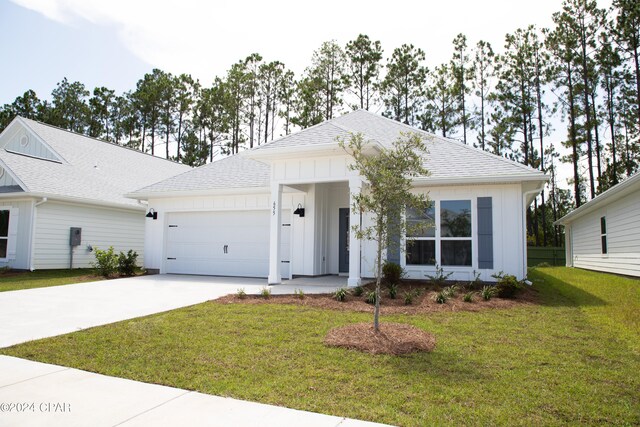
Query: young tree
x: 388, y: 175
x: 363, y: 62
x: 402, y: 89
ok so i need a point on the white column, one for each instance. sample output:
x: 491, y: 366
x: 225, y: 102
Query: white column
x: 355, y: 186
x: 274, y: 239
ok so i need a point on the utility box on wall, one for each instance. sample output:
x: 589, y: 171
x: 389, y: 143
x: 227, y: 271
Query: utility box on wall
x: 75, y: 236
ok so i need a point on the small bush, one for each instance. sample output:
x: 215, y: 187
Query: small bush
x: 440, y: 297
x: 468, y: 297
x: 487, y: 292
x: 340, y: 294
x: 450, y: 291
x: 508, y: 285
x: 392, y: 272
x: 392, y: 290
x: 241, y: 294
x: 543, y: 265
x: 358, y: 291
x: 410, y: 295
x: 4, y: 270
x: 476, y: 282
x: 127, y: 263
x: 265, y: 292
x: 371, y: 297
x: 299, y: 293
x: 440, y: 277
x: 106, y: 263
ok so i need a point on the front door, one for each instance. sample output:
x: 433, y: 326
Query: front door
x: 343, y: 241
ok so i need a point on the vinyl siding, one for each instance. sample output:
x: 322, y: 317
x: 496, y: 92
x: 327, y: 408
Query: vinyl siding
x: 623, y: 237
x: 101, y: 228
x: 23, y: 237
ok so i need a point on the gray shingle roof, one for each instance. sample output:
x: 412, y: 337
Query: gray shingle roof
x: 230, y: 172
x: 119, y: 170
x: 446, y: 160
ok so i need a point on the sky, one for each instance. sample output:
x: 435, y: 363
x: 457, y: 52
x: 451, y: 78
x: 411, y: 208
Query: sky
x: 114, y: 43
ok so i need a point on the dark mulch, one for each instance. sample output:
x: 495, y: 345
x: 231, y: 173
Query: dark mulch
x: 393, y: 338
x: 422, y: 303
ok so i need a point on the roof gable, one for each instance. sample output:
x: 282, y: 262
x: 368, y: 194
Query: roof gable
x: 82, y: 168
x: 20, y: 139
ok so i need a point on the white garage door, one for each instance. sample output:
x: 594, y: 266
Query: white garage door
x: 230, y: 243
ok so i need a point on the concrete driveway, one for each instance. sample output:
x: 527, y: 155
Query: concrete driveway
x: 44, y: 312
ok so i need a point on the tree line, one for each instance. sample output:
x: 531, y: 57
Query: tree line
x: 583, y: 72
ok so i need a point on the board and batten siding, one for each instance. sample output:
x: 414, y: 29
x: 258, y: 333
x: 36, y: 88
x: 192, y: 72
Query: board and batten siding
x: 101, y: 228
x: 22, y: 238
x: 623, y: 238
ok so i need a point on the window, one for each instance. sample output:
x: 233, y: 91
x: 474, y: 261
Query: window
x: 455, y: 232
x: 448, y: 246
x: 421, y: 236
x: 4, y: 232
x: 603, y: 234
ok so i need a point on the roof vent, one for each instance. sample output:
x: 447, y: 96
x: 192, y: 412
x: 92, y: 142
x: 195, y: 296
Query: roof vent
x: 24, y: 140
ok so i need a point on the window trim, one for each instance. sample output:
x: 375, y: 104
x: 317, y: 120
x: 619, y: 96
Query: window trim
x: 604, y: 247
x: 438, y: 239
x: 8, y: 210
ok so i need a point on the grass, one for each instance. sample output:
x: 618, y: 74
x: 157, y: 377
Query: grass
x: 13, y: 281
x: 572, y: 359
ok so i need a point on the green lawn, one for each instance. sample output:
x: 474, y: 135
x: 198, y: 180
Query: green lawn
x: 572, y: 359
x: 42, y: 278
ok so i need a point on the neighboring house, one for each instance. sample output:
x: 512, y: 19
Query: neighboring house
x: 52, y: 180
x: 604, y: 233
x: 284, y: 209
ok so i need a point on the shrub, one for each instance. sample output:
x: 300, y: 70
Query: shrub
x: 358, y: 291
x: 340, y: 294
x: 508, y: 285
x: 392, y: 272
x: 299, y: 293
x: 127, y: 263
x: 241, y: 294
x: 106, y: 263
x: 392, y: 290
x: 440, y: 277
x: 487, y: 292
x: 543, y: 265
x: 440, y: 297
x: 410, y: 295
x: 4, y: 270
x: 371, y: 297
x: 475, y: 283
x: 450, y: 291
x: 468, y: 297
x: 265, y: 292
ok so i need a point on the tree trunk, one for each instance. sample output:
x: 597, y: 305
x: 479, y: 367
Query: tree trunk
x: 574, y: 142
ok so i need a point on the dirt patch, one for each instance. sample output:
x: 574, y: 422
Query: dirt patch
x: 393, y: 338
x: 423, y: 301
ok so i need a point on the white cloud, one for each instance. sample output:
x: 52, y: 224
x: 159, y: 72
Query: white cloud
x: 205, y: 38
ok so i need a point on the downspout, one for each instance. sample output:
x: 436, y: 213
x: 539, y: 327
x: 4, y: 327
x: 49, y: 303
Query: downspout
x: 525, y: 205
x: 32, y: 244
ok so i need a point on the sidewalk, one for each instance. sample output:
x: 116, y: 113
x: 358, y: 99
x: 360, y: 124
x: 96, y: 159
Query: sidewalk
x: 50, y: 395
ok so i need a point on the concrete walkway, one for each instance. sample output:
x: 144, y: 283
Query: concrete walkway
x: 31, y: 314
x: 50, y: 395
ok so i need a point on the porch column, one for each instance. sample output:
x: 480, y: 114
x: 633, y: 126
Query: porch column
x: 274, y: 239
x: 355, y: 186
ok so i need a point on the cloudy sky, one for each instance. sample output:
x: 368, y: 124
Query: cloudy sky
x: 114, y: 42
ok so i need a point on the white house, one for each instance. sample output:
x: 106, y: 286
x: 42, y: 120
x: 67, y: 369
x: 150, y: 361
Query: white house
x: 283, y: 209
x: 604, y: 233
x: 52, y: 180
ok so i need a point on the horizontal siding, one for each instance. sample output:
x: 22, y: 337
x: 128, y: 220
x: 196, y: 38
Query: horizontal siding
x: 24, y: 234
x: 101, y: 228
x: 623, y: 237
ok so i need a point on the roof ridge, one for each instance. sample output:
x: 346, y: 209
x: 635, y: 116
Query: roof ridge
x: 26, y: 120
x: 451, y: 141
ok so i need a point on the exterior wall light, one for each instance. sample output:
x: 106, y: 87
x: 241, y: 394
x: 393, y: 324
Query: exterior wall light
x: 299, y: 211
x: 152, y: 214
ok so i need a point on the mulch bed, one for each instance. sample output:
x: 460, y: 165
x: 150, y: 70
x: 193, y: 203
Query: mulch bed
x: 422, y: 303
x: 393, y: 338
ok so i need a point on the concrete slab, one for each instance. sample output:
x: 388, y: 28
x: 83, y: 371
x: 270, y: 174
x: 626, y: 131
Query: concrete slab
x: 16, y: 370
x: 43, y: 312
x: 71, y: 397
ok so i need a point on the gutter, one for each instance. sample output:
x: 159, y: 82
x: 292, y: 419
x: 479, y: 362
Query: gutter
x: 525, y: 205
x: 32, y: 243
